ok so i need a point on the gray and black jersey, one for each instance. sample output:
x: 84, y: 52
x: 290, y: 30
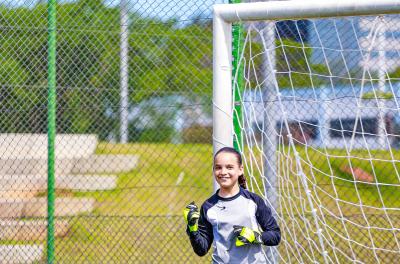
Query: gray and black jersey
x: 218, y: 215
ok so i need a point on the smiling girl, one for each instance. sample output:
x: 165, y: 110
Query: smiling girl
x: 234, y: 220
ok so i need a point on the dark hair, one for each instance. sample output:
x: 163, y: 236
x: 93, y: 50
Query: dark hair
x: 242, y: 179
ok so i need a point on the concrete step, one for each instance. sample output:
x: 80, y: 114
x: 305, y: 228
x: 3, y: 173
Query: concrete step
x: 29, y: 230
x: 21, y: 186
x: 11, y: 207
x: 34, y: 166
x: 10, y: 182
x: 105, y: 164
x: 83, y: 165
x: 15, y: 184
x: 34, y: 146
x: 18, y: 254
x: 29, y: 193
x: 87, y: 182
x: 37, y: 207
x: 65, y: 206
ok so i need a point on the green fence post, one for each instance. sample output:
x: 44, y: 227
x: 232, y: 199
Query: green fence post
x: 237, y: 74
x: 51, y: 127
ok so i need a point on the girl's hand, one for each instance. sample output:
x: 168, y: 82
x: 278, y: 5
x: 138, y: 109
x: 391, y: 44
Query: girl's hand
x: 245, y: 236
x: 191, y: 215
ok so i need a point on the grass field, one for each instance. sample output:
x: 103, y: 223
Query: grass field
x: 354, y: 216
x: 140, y: 221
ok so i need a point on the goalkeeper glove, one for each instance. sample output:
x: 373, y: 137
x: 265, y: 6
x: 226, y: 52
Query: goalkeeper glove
x: 191, y: 215
x: 245, y: 236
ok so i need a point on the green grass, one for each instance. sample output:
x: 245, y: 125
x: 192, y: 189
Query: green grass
x: 336, y: 196
x: 383, y: 192
x: 141, y: 220
x: 323, y: 174
x: 152, y: 189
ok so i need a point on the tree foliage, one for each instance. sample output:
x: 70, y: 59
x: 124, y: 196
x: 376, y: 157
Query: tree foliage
x: 294, y: 68
x: 164, y: 59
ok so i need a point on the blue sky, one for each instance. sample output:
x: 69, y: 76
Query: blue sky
x: 181, y: 9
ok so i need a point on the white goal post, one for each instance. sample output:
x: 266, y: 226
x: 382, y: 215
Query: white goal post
x: 319, y: 221
x: 226, y: 14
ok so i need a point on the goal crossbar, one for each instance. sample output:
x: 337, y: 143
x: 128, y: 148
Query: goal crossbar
x: 301, y: 9
x: 226, y: 14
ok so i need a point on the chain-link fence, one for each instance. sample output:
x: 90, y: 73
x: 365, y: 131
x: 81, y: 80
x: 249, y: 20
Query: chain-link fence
x: 133, y: 122
x: 140, y: 67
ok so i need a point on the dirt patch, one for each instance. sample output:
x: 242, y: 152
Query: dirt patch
x: 358, y: 174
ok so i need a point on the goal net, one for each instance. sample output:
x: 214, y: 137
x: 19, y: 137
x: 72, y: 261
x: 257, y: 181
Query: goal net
x: 318, y: 122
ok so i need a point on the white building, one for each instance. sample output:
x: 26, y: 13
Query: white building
x: 351, y: 43
x: 322, y: 118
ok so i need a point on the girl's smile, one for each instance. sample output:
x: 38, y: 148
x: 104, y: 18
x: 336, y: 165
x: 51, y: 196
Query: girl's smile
x: 227, y: 171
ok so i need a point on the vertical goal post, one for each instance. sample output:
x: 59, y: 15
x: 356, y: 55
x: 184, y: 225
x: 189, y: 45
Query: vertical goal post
x: 224, y: 102
x: 226, y: 14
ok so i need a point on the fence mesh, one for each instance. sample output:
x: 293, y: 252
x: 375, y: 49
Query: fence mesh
x: 116, y: 202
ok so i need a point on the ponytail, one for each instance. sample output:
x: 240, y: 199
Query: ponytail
x: 242, y: 181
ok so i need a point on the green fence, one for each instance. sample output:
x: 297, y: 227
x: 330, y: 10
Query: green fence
x: 133, y: 132
x: 133, y: 83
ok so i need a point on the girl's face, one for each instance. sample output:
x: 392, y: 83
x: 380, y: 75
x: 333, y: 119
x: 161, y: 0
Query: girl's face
x: 227, y: 170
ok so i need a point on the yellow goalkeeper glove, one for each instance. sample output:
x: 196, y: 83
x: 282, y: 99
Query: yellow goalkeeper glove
x: 245, y: 236
x: 191, y: 215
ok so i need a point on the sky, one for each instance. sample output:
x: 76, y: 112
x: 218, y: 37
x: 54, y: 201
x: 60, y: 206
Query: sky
x: 165, y: 9
x: 182, y: 9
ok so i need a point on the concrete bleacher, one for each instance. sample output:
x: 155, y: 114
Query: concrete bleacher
x: 34, y: 146
x: 14, y: 254
x: 104, y: 164
x: 31, y: 185
x: 37, y: 207
x: 23, y: 179
x: 30, y: 230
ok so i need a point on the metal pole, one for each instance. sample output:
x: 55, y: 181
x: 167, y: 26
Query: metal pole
x: 51, y: 127
x: 270, y: 138
x: 222, y: 85
x: 381, y: 85
x: 269, y: 94
x: 124, y: 72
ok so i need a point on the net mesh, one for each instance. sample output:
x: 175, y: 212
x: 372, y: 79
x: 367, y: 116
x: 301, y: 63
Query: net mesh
x: 321, y: 135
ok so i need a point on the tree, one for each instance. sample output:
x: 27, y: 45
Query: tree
x: 293, y: 65
x: 164, y: 59
x: 184, y: 62
x: 82, y: 47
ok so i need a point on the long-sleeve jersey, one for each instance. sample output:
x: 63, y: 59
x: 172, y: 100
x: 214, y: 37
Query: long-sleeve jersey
x: 218, y: 215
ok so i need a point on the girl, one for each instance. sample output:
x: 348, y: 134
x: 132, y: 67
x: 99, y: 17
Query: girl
x: 232, y: 217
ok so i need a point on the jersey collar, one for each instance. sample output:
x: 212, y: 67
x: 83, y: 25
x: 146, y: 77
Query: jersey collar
x: 229, y: 198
